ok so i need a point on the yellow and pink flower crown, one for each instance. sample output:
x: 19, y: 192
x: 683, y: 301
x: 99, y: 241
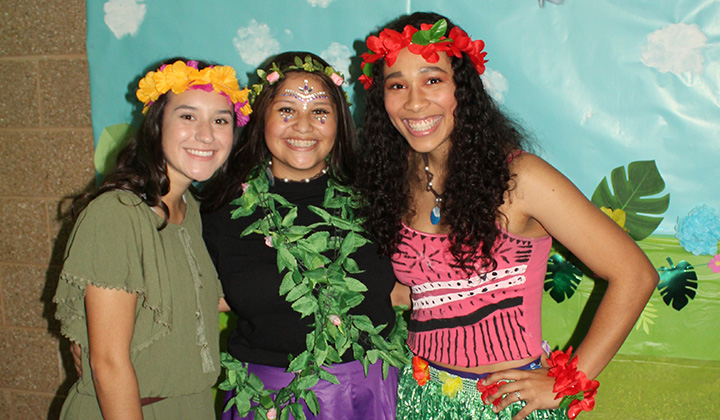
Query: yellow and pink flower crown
x: 428, y: 41
x: 180, y: 76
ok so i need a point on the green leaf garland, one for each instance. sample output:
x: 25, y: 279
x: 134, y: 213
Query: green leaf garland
x: 316, y: 287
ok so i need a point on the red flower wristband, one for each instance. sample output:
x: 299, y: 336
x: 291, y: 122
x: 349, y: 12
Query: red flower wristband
x: 576, y: 390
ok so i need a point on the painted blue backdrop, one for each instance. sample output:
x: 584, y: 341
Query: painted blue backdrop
x: 600, y: 83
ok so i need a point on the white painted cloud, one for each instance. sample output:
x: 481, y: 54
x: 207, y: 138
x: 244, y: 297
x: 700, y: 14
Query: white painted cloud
x: 338, y: 56
x: 321, y: 3
x: 495, y: 84
x: 254, y: 43
x: 675, y: 48
x: 124, y: 17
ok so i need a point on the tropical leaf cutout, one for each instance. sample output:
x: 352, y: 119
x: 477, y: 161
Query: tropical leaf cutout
x: 112, y: 140
x: 647, y: 318
x: 631, y: 194
x: 678, y: 284
x: 562, y: 278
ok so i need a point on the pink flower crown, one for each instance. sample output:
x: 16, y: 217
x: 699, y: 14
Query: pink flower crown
x: 180, y: 76
x: 428, y: 41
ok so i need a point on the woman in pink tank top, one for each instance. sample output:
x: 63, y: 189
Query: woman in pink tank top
x: 469, y: 220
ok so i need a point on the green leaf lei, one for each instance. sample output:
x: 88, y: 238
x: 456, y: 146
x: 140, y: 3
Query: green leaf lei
x: 316, y: 286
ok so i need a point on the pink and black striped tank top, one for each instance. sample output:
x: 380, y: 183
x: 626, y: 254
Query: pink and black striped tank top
x: 489, y: 317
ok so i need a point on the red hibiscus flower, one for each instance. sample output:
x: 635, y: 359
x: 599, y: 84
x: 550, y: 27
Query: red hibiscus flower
x: 488, y: 390
x: 421, y: 370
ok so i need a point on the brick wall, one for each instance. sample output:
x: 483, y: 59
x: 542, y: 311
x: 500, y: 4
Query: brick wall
x: 46, y: 151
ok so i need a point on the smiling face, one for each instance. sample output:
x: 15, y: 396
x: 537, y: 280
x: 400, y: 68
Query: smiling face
x: 300, y: 127
x: 197, y: 134
x: 420, y: 101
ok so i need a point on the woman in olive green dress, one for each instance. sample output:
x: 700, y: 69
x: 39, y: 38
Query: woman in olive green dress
x: 138, y: 291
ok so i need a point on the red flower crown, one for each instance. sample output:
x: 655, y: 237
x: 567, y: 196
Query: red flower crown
x: 428, y: 41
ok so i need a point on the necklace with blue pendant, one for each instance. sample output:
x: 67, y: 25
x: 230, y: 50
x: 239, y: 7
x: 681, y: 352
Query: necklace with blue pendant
x: 435, y: 213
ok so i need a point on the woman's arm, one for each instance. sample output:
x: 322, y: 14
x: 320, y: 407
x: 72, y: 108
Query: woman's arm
x: 544, y: 199
x: 400, y: 295
x: 111, y: 321
x: 223, y: 305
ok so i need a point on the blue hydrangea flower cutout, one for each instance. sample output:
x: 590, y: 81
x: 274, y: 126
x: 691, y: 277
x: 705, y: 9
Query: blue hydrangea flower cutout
x: 699, y: 231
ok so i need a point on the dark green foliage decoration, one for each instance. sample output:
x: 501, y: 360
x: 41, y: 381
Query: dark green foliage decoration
x: 562, y: 278
x: 678, y: 284
x: 631, y: 193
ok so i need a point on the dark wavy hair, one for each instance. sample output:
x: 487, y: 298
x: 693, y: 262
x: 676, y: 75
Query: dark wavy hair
x: 253, y: 150
x: 141, y: 166
x: 478, y: 176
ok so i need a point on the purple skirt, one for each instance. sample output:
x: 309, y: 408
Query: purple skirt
x: 357, y: 397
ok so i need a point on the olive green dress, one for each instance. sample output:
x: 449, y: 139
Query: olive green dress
x: 174, y: 349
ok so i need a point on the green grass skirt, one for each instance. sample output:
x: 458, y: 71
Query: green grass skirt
x: 427, y: 402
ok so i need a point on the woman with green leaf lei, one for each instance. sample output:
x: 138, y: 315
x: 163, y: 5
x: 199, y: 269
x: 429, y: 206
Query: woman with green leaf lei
x: 317, y: 335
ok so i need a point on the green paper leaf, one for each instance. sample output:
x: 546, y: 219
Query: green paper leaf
x: 678, y: 284
x: 562, y: 278
x: 297, y: 411
x: 355, y: 285
x: 266, y: 401
x: 112, y: 140
x: 373, y: 355
x: 631, y: 194
x: 311, y: 401
x: 285, y: 260
x: 254, y: 382
x: 299, y: 361
x: 287, y: 283
x: 327, y: 376
x: 306, y: 382
x: 242, y: 402
x: 432, y: 35
x: 421, y: 38
x: 367, y: 69
x: 290, y: 217
x: 647, y: 318
x: 305, y: 306
x: 297, y: 292
x: 354, y: 301
x: 320, y: 352
x: 438, y: 29
x: 363, y: 323
x: 351, y: 266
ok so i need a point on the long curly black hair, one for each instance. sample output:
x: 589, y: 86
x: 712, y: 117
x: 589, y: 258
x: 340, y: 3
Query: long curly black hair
x: 141, y: 166
x: 478, y: 176
x: 253, y: 150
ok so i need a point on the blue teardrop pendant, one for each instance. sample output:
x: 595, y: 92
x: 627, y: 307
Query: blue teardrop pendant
x: 269, y: 174
x: 435, y: 215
